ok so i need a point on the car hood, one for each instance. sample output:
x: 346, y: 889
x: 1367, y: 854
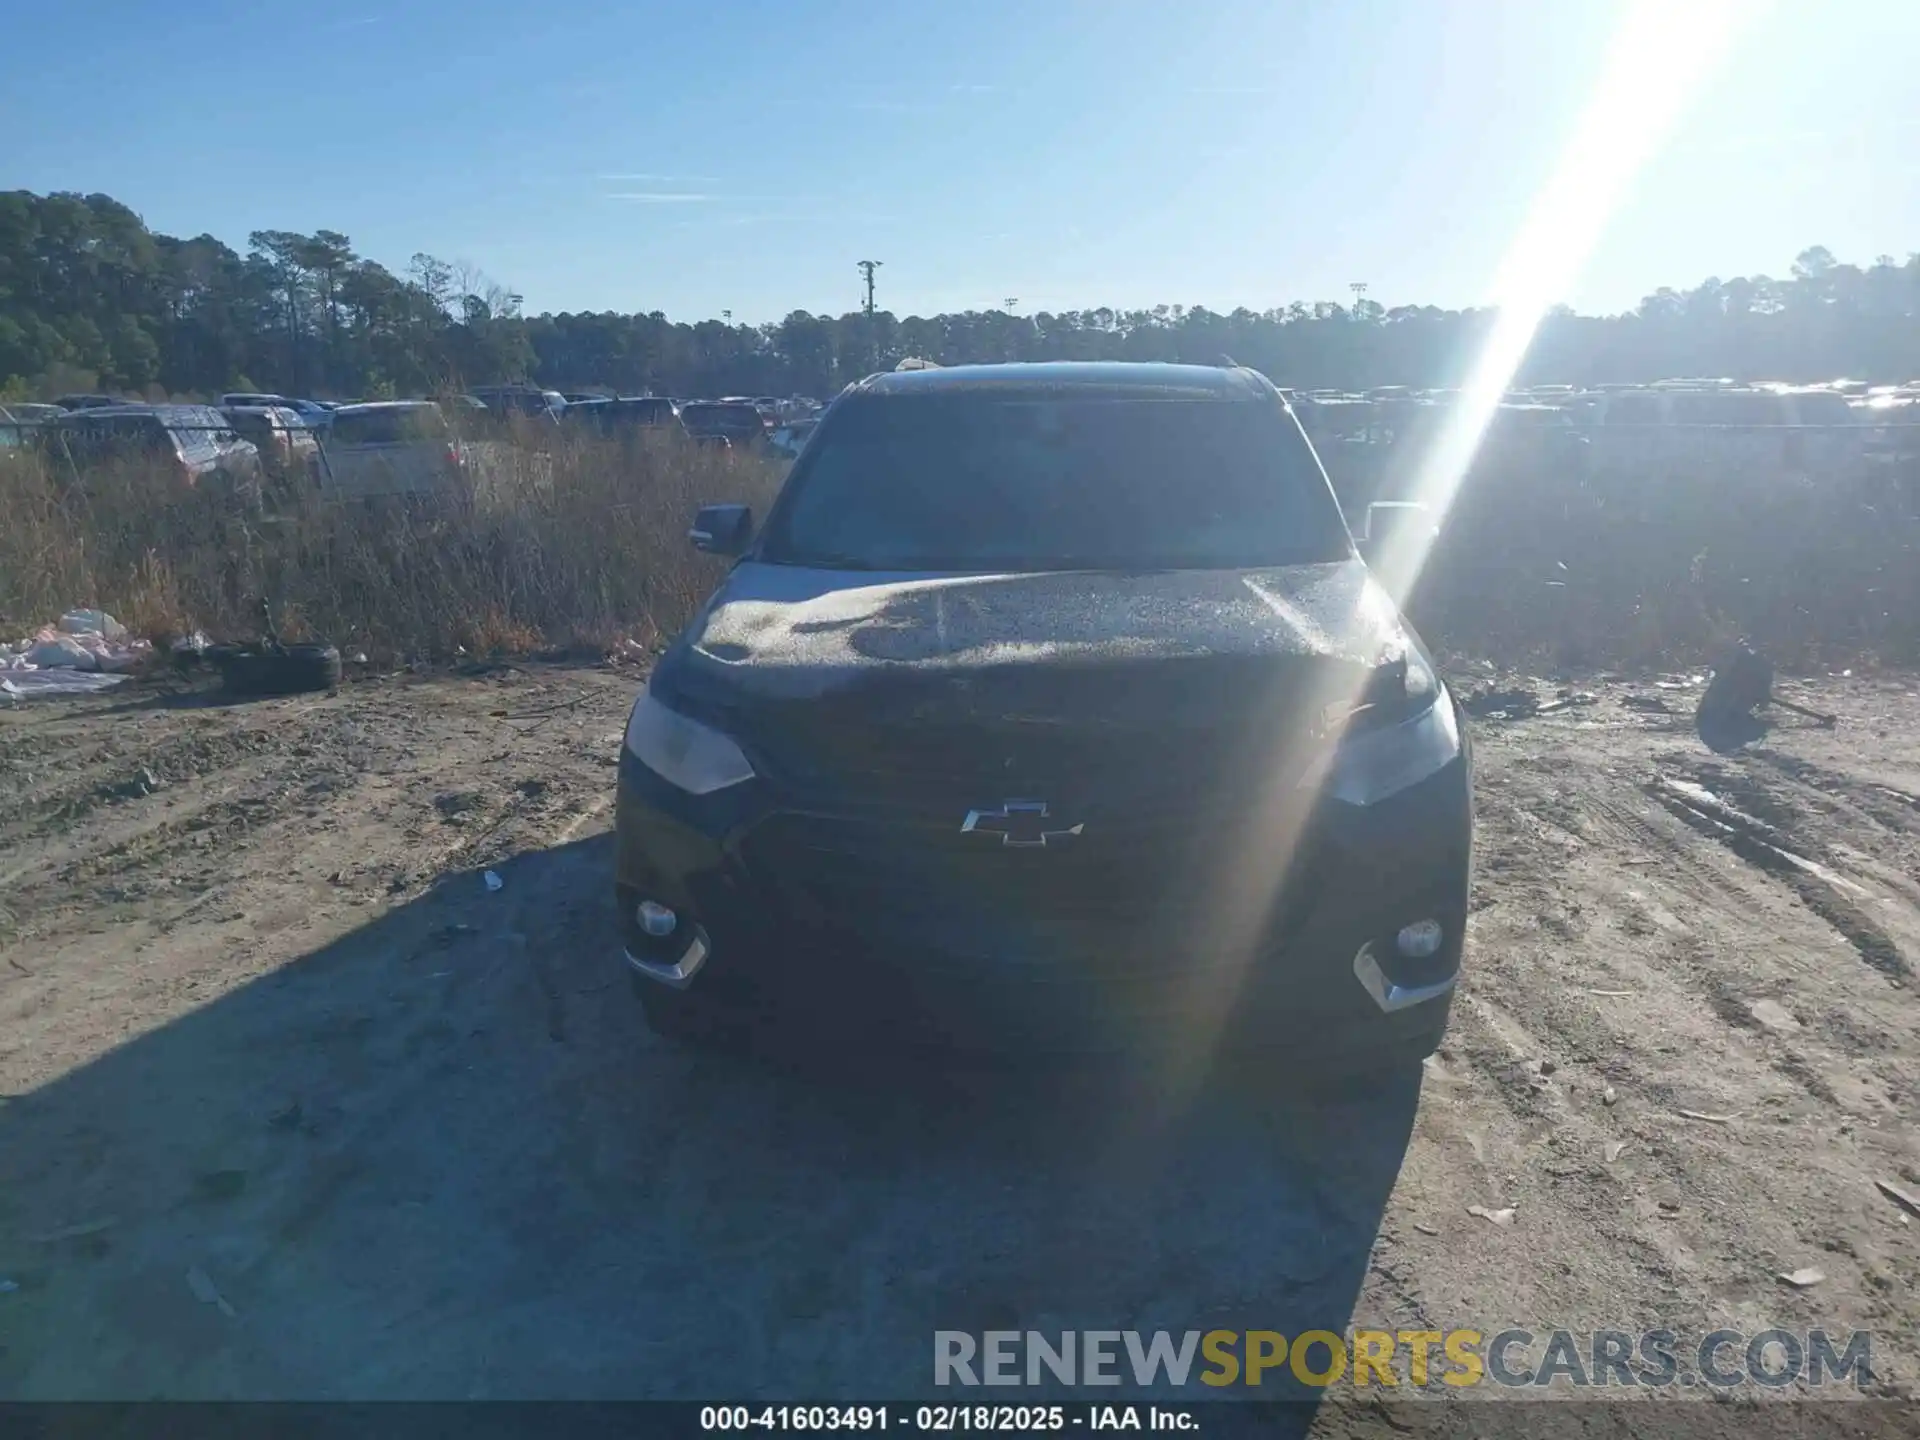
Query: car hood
x: 793, y: 632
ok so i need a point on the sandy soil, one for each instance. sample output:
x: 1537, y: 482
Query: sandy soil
x: 296, y: 1106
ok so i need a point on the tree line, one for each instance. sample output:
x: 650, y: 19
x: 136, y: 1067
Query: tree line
x: 89, y: 295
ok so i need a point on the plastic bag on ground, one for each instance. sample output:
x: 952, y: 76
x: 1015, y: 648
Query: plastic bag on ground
x: 92, y: 622
x: 19, y: 684
x: 82, y: 643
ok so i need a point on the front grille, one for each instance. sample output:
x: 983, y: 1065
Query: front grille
x: 1158, y: 886
x: 867, y: 832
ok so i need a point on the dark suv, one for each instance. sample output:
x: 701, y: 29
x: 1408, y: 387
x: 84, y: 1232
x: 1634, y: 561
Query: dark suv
x: 1051, y: 703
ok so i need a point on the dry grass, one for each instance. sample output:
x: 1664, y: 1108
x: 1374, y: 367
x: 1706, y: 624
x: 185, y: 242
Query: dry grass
x: 1639, y: 566
x: 574, y: 547
x: 570, y: 548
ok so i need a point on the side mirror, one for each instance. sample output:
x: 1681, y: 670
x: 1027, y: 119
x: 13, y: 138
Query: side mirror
x: 722, y: 529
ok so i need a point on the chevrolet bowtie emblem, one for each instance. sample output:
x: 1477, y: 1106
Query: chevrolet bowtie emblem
x: 1017, y: 822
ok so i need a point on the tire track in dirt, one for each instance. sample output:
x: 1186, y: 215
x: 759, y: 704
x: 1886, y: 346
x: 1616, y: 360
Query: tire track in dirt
x: 1826, y: 893
x: 1888, y: 805
x: 1720, y: 973
x: 1697, y: 1214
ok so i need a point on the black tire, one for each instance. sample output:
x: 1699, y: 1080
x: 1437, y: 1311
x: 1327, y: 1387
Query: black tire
x: 293, y: 670
x: 691, y: 1018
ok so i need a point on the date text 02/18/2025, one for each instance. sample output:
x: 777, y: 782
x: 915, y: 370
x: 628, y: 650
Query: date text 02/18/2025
x: 947, y: 1419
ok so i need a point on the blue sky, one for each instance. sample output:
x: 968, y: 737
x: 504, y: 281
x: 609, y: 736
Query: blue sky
x: 729, y: 155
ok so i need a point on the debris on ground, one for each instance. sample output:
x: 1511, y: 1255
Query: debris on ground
x: 1905, y: 1199
x: 137, y: 786
x: 1425, y: 1229
x: 1652, y: 704
x: 1742, y: 684
x: 1614, y: 1147
x: 1503, y: 1216
x: 1516, y: 703
x: 1804, y: 1278
x: 84, y: 651
x: 1609, y: 1095
x: 1502, y: 704
x: 207, y: 1293
x: 1702, y: 1115
x: 1567, y: 700
x: 76, y: 1232
x: 189, y: 650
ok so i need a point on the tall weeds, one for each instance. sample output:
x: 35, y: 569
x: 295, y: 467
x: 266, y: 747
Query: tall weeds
x: 570, y: 546
x: 580, y: 542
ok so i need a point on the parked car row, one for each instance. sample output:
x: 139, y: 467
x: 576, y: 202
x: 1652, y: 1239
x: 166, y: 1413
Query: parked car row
x: 1683, y: 402
x: 197, y: 443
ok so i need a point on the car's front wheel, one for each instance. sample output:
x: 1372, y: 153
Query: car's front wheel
x: 691, y: 1017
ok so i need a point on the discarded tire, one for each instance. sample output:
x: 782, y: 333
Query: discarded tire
x: 291, y: 670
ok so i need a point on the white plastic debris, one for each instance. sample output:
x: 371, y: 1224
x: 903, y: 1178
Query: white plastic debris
x: 22, y: 683
x: 92, y: 622
x: 7, y: 1287
x: 206, y: 1292
x: 58, y: 652
x: 86, y: 650
x: 494, y: 882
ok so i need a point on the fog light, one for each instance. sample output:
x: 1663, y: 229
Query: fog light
x: 1419, y: 940
x: 657, y: 920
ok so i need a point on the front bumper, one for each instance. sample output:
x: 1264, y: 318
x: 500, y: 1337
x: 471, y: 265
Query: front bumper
x: 1320, y: 968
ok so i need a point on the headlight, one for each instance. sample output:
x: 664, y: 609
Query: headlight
x: 683, y: 752
x: 1373, y: 764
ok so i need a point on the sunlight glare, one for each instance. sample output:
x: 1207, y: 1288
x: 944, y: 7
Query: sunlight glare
x: 1657, y: 62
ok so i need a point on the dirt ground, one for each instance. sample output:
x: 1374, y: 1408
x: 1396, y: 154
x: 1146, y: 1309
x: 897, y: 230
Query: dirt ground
x: 296, y: 1106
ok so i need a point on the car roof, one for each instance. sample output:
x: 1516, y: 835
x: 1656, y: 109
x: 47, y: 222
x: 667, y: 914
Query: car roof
x: 97, y: 412
x: 1106, y: 378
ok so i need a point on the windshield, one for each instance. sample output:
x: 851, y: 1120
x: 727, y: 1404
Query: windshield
x: 975, y: 482
x: 122, y: 434
x: 643, y: 411
x: 411, y: 424
x: 725, y: 419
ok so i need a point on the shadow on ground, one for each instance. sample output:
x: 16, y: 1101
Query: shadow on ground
x: 441, y: 1157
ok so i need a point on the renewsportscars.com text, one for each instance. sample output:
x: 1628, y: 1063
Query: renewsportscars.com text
x: 1721, y: 1359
